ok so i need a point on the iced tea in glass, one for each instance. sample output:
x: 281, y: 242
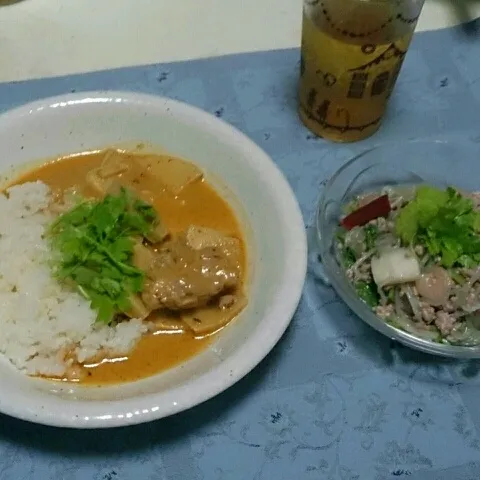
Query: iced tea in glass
x: 351, y: 55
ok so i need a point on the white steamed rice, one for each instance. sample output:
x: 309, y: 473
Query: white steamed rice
x: 39, y: 318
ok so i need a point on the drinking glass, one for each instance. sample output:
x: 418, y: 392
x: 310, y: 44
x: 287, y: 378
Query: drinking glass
x: 351, y: 55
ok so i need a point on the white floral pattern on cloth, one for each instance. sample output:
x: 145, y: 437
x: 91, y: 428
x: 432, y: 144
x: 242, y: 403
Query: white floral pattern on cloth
x: 334, y: 400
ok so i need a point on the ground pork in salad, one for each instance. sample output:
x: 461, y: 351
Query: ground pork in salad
x: 413, y: 255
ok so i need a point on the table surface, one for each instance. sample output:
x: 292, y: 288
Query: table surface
x: 334, y: 400
x: 42, y: 38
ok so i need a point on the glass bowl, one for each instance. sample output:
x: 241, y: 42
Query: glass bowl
x: 436, y: 162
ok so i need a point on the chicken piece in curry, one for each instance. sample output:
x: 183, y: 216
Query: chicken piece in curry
x: 193, y: 259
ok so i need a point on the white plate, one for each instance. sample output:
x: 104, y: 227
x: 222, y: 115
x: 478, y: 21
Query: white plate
x: 253, y: 185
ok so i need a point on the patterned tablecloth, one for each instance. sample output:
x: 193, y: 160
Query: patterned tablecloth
x: 334, y: 400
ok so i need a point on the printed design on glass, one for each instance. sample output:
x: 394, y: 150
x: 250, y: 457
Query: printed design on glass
x: 360, y: 75
x: 334, y: 25
x: 358, y: 88
x: 351, y: 58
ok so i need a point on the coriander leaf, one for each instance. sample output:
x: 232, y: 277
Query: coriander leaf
x: 348, y: 257
x: 467, y: 262
x: 471, y: 245
x: 406, y: 224
x: 124, y: 303
x: 451, y: 251
x: 457, y: 277
x: 420, y: 211
x: 429, y: 201
x: 104, y: 306
x: 391, y: 295
x: 146, y: 210
x: 443, y: 221
x: 371, y: 235
x: 458, y: 203
x: 432, y: 243
x: 121, y: 248
x: 340, y: 235
x: 136, y: 283
x: 93, y: 248
x: 83, y: 275
x: 476, y: 222
x: 136, y: 223
x: 74, y: 217
x: 368, y: 292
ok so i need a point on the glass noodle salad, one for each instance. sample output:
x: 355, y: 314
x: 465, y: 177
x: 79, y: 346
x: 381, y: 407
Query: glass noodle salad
x: 413, y: 255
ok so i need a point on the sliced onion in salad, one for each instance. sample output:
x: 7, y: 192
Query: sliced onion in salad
x: 355, y: 239
x: 464, y: 292
x: 386, y: 242
x: 466, y: 333
x: 414, y: 302
x: 402, y: 321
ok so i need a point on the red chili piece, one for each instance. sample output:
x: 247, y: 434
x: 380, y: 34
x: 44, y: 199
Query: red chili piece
x: 380, y: 207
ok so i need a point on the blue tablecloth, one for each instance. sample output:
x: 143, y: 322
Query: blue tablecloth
x: 334, y: 400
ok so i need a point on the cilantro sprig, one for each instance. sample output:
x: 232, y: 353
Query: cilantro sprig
x: 368, y: 292
x: 445, y: 222
x: 93, y: 249
x: 371, y: 235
